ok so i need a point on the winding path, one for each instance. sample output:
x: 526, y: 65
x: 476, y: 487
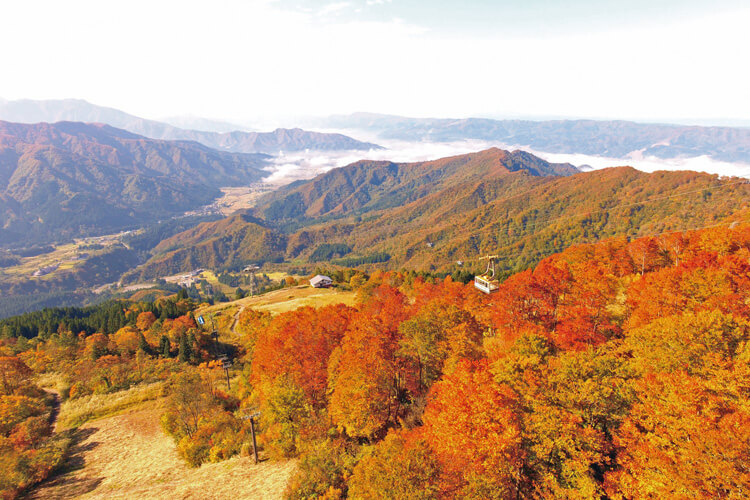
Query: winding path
x: 236, y: 318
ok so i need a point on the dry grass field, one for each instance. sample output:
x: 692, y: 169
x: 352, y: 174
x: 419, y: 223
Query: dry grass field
x: 213, y: 280
x: 241, y: 198
x: 286, y: 299
x: 120, y: 451
x: 127, y: 456
x: 76, y: 412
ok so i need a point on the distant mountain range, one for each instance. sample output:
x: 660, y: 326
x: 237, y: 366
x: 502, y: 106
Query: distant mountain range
x: 70, y: 179
x: 616, y: 139
x: 431, y: 215
x: 237, y: 141
x: 190, y: 122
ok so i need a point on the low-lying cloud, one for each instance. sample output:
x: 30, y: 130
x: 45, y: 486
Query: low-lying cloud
x: 651, y: 163
x: 289, y: 167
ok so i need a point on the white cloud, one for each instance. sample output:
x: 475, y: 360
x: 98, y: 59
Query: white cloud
x: 652, y: 164
x: 305, y: 165
x: 289, y: 167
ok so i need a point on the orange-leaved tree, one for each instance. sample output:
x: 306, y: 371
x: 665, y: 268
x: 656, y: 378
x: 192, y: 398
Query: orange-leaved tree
x: 368, y: 382
x: 473, y: 426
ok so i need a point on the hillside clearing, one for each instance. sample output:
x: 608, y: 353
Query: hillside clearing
x: 86, y: 408
x: 285, y: 299
x: 128, y: 456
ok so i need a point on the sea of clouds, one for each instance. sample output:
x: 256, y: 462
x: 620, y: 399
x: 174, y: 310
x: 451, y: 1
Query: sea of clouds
x: 288, y: 167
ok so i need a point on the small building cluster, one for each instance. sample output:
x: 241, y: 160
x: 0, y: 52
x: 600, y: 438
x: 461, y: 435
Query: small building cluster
x: 189, y: 279
x: 45, y: 270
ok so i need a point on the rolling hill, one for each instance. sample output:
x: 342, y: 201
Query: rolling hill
x: 279, y: 140
x: 69, y: 179
x: 430, y: 215
x: 238, y: 141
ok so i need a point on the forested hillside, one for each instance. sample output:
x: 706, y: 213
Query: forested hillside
x: 610, y: 370
x: 65, y: 180
x: 432, y: 215
x: 525, y: 219
x: 368, y: 185
x: 231, y: 242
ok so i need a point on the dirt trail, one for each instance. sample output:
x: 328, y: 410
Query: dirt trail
x: 55, y: 408
x: 235, y: 319
x: 128, y: 456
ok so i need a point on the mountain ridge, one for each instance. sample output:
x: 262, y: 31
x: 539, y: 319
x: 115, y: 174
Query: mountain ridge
x: 607, y: 138
x: 238, y: 141
x: 72, y: 179
x: 369, y: 185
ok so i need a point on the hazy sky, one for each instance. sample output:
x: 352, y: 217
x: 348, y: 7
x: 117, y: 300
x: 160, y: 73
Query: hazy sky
x: 244, y: 59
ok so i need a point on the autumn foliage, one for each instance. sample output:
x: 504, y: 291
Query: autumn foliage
x: 615, y: 370
x: 28, y: 452
x: 123, y: 352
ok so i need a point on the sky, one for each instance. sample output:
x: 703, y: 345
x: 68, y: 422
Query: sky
x: 260, y: 60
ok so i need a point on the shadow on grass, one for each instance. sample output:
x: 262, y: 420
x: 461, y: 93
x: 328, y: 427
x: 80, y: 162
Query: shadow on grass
x: 66, y: 482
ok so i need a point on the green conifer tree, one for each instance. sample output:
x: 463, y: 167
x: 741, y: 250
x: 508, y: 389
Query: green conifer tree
x: 142, y: 344
x: 184, y: 349
x: 192, y: 345
x: 164, y: 347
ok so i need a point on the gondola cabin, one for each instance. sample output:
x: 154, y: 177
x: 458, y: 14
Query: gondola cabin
x: 486, y: 282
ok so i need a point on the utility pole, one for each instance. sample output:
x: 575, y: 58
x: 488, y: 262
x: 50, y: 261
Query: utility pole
x: 215, y: 337
x: 252, y: 418
x: 255, y: 445
x: 226, y: 364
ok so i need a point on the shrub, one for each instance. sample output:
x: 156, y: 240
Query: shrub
x: 400, y: 466
x: 322, y: 470
x: 284, y: 413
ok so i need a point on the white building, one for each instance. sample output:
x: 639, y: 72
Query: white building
x: 321, y: 281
